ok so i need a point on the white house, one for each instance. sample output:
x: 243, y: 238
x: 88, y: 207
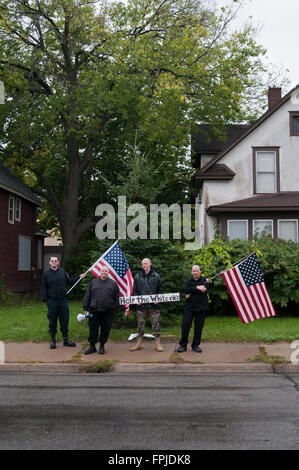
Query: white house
x: 250, y: 183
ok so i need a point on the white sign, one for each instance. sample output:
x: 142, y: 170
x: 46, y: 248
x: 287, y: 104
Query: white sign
x: 149, y: 299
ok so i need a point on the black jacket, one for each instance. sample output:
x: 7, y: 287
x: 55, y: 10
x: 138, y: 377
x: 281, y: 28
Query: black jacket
x: 145, y: 284
x: 54, y: 284
x: 101, y: 296
x: 198, y: 301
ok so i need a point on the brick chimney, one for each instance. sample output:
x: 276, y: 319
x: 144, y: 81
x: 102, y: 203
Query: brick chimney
x: 274, y: 95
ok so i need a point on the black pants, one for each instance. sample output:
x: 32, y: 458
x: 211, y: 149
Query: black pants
x: 199, y: 319
x: 101, y: 320
x: 58, y: 309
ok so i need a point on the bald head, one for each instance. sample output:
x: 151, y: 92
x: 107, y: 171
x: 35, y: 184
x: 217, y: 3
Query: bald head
x: 104, y: 272
x: 146, y: 265
x: 196, y: 271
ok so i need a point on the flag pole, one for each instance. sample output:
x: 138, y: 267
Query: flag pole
x: 80, y: 278
x: 91, y: 267
x: 231, y: 266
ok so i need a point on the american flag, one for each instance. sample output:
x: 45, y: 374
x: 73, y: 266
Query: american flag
x: 119, y: 270
x: 248, y: 291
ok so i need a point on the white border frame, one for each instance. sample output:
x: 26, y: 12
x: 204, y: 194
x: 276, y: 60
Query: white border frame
x: 287, y: 220
x: 263, y: 220
x: 18, y: 219
x: 256, y: 171
x: 237, y: 220
x: 11, y: 197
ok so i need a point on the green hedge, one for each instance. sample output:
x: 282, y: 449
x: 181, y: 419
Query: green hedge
x: 279, y: 261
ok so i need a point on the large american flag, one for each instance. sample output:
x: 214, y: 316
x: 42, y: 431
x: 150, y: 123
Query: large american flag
x: 248, y: 291
x: 119, y: 270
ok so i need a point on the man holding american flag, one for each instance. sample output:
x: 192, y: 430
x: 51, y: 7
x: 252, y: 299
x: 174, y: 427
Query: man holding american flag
x: 101, y: 300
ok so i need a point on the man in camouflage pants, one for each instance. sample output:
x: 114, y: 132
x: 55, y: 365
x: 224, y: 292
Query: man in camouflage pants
x: 147, y: 281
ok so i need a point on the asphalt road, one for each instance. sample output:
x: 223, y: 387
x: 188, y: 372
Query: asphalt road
x: 150, y: 412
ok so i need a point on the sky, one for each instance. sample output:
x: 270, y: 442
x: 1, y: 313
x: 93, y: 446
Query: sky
x: 278, y: 22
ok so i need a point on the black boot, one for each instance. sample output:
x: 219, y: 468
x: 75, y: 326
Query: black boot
x: 91, y: 349
x: 101, y: 349
x: 53, y: 342
x: 67, y: 342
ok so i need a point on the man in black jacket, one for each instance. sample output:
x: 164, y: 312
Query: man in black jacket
x: 101, y: 299
x: 54, y: 292
x: 146, y: 282
x: 197, y: 306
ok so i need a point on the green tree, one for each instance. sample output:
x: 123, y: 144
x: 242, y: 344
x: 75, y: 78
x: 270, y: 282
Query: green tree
x: 83, y: 77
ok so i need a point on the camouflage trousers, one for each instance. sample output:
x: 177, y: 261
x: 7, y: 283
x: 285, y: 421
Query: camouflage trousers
x: 154, y: 316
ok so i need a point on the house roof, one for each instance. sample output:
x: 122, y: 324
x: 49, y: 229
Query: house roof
x: 247, y: 131
x: 204, y: 141
x: 287, y: 201
x: 219, y: 171
x: 11, y: 183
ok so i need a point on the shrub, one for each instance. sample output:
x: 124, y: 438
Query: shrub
x: 6, y: 296
x: 279, y: 261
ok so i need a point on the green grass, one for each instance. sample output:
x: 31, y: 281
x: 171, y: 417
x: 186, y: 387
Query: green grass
x: 99, y: 367
x: 265, y: 358
x: 28, y: 321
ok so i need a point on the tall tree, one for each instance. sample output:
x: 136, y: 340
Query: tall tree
x: 83, y: 77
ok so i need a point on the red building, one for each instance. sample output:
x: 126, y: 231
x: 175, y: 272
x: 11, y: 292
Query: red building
x: 21, y: 246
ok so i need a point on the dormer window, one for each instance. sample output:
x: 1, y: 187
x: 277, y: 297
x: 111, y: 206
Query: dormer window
x: 266, y: 170
x: 294, y: 123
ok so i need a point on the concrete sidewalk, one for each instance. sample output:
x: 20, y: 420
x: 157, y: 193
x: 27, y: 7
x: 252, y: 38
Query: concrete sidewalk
x: 214, y: 356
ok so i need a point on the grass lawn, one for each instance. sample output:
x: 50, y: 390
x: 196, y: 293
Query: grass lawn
x: 28, y: 322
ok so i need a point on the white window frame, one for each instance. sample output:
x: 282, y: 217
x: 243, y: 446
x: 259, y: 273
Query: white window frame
x: 25, y: 265
x: 237, y: 220
x: 263, y: 220
x: 11, y: 210
x: 18, y: 202
x: 258, y: 191
x: 287, y: 220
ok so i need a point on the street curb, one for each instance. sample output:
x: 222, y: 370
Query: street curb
x: 193, y: 369
x: 46, y: 367
x: 145, y: 369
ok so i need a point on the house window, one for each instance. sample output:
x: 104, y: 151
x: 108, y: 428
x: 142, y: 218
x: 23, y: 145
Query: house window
x: 11, y: 209
x: 24, y: 253
x: 263, y: 227
x: 266, y: 178
x: 18, y: 209
x: 294, y: 123
x: 237, y: 229
x: 288, y: 230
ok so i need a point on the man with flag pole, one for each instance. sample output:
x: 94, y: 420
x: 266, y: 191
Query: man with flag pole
x: 101, y: 300
x: 196, y: 309
x: 53, y: 292
x: 119, y: 270
x: 113, y: 265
